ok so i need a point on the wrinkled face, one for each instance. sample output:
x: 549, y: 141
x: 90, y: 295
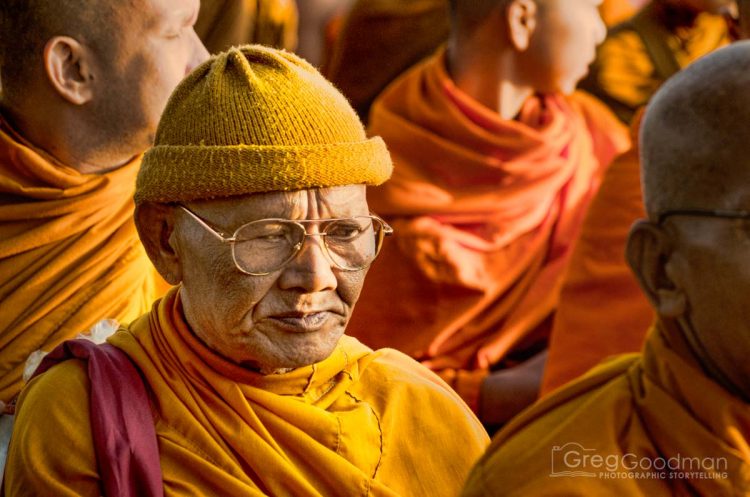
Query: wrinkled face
x: 290, y: 318
x: 710, y: 267
x: 155, y: 48
x: 563, y: 44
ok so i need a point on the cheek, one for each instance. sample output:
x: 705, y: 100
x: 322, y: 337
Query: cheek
x: 350, y: 286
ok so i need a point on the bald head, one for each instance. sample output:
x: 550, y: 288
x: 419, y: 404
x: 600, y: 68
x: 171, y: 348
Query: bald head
x: 27, y: 25
x: 695, y: 139
x: 467, y: 14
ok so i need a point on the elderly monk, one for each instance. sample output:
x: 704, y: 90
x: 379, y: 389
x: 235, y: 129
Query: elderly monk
x: 642, y: 52
x: 496, y: 159
x: 672, y: 420
x: 226, y: 23
x: 253, y: 203
x: 84, y: 83
x: 598, y: 286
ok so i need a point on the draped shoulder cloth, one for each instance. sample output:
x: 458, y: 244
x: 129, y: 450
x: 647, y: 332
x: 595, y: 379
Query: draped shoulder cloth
x: 69, y: 253
x: 485, y: 211
x: 357, y: 423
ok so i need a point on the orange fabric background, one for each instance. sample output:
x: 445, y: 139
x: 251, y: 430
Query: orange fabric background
x: 69, y: 254
x: 485, y: 211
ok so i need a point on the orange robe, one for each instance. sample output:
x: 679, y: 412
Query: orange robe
x: 380, y: 39
x: 615, y: 11
x: 617, y: 427
x: 69, y: 253
x: 599, y: 286
x: 641, y: 53
x: 225, y: 23
x: 357, y: 423
x: 485, y: 211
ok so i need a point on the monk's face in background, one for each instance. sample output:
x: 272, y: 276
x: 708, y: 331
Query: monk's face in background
x: 290, y: 318
x: 154, y: 47
x: 564, y: 43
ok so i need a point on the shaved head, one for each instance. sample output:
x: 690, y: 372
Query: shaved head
x: 695, y: 139
x: 466, y: 14
x: 27, y: 25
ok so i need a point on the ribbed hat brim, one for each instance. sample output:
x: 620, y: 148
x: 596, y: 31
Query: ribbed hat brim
x: 194, y: 172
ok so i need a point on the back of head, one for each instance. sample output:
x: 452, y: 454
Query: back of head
x: 695, y: 137
x: 27, y: 25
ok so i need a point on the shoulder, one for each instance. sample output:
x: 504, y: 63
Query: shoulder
x: 397, y: 385
x: 589, y: 416
x: 51, y: 450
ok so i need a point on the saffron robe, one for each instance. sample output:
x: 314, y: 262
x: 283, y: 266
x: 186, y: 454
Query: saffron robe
x: 485, y: 211
x: 599, y: 286
x: 357, y: 423
x: 69, y: 253
x: 660, y: 425
x: 223, y: 24
x: 639, y: 54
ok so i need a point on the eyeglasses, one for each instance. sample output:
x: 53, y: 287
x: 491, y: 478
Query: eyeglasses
x: 725, y: 214
x: 267, y: 245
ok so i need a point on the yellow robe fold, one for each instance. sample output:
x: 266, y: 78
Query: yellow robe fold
x: 659, y: 424
x: 69, y: 253
x: 358, y: 423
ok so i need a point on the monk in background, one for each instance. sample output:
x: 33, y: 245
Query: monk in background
x: 226, y: 23
x: 83, y: 85
x: 380, y: 39
x: 644, y: 51
x: 672, y: 420
x: 496, y: 159
x: 598, y: 286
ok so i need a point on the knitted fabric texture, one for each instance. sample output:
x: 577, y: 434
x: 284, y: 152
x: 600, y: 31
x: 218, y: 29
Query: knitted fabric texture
x: 256, y: 119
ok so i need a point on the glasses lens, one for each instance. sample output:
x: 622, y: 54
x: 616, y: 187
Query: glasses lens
x: 353, y: 243
x: 266, y: 245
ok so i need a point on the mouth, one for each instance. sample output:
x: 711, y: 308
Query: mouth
x: 302, y: 322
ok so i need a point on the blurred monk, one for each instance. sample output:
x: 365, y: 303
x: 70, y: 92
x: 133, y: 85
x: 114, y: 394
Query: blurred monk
x: 672, y: 420
x: 381, y: 39
x: 496, y: 159
x: 226, y: 23
x: 598, y: 285
x: 83, y: 87
x: 642, y: 52
x: 252, y: 202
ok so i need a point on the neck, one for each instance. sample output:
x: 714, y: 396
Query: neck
x: 68, y: 140
x: 683, y: 339
x: 492, y: 81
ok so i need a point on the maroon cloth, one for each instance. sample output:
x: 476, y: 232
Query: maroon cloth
x: 121, y: 421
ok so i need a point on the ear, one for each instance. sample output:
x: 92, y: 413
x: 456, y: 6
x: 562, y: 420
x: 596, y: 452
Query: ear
x: 521, y: 17
x: 649, y: 253
x: 155, y: 224
x: 68, y: 64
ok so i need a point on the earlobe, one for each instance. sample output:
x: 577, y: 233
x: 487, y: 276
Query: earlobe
x: 649, y: 253
x: 155, y: 224
x: 521, y: 18
x: 68, y: 66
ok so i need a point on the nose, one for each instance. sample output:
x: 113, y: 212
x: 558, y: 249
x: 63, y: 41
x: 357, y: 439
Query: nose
x: 198, y: 53
x: 310, y: 270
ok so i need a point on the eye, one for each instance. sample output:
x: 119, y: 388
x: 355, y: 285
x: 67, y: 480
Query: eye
x: 347, y: 230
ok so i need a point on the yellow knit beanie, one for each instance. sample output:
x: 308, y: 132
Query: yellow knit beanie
x: 256, y: 119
